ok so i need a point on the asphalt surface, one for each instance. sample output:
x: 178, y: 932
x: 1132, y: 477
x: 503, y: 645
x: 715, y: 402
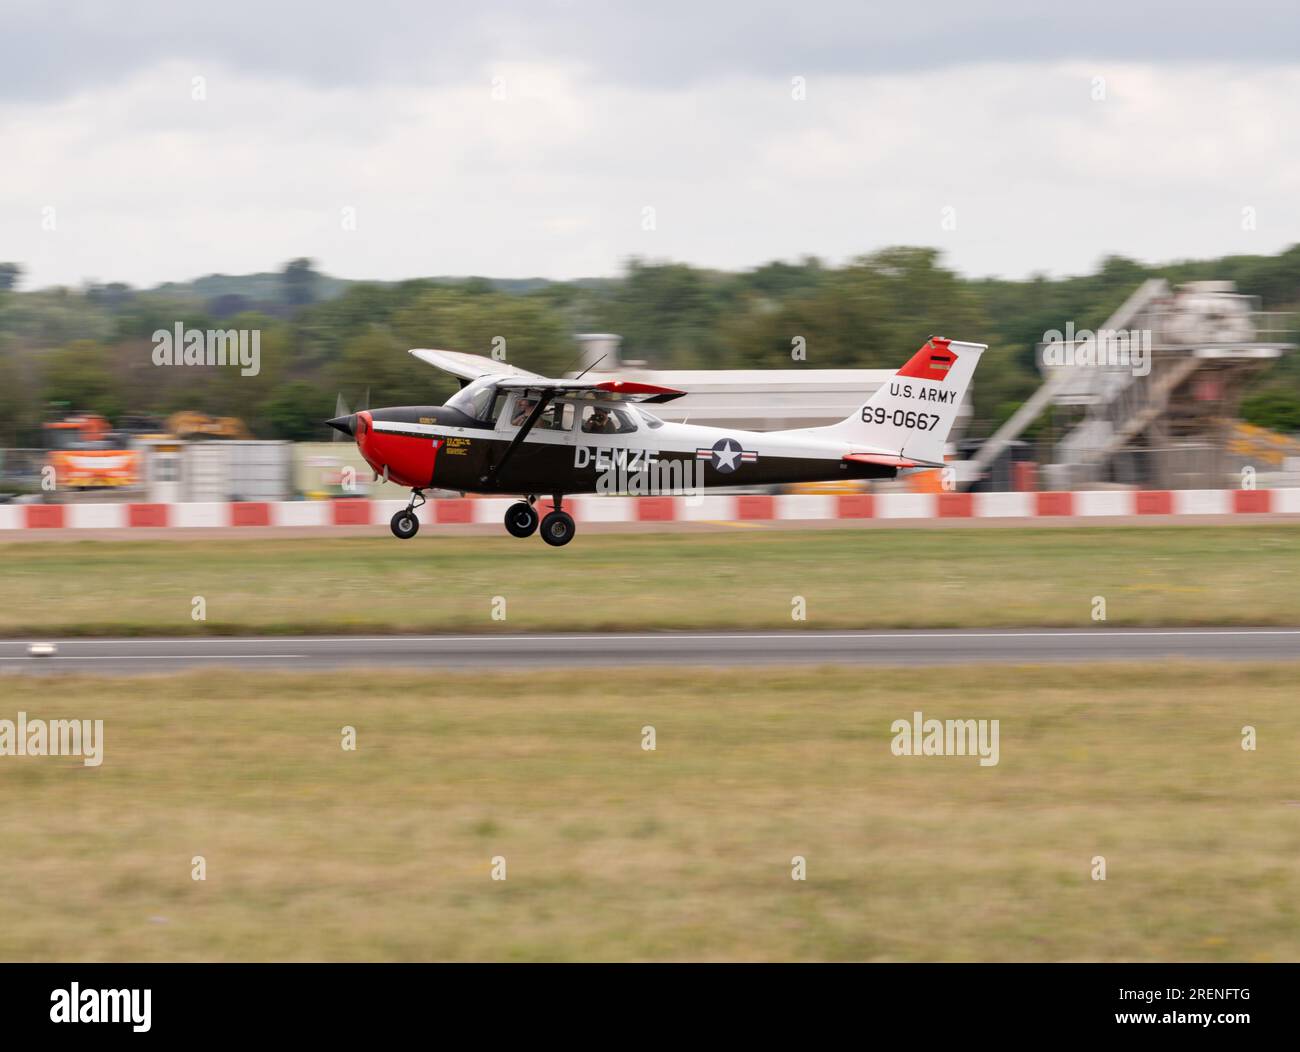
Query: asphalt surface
x: 916, y: 648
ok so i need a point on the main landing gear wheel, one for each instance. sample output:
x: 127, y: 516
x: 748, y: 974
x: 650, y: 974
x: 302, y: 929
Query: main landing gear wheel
x: 521, y: 519
x: 405, y: 525
x: 557, y: 528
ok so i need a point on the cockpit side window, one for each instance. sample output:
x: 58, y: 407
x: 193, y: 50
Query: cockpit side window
x: 480, y: 399
x: 558, y: 416
x: 523, y: 409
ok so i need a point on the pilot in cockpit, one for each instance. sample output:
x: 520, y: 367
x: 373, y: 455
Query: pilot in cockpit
x: 523, y: 407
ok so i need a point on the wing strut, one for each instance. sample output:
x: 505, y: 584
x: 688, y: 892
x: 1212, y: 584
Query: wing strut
x: 520, y: 435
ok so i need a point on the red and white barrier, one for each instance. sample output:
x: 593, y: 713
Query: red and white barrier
x: 1085, y: 506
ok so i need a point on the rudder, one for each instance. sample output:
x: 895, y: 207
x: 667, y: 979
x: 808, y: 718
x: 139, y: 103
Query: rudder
x: 912, y: 414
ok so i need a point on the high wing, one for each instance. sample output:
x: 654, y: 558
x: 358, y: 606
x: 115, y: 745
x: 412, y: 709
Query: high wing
x: 596, y: 390
x: 468, y: 367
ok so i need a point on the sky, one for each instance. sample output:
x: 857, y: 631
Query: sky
x: 153, y: 140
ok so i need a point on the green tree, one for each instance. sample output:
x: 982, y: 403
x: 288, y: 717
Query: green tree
x: 20, y: 400
x: 668, y: 313
x: 520, y: 330
x: 1275, y: 410
x: 299, y: 282
x: 80, y: 377
x: 298, y: 411
x: 375, y: 362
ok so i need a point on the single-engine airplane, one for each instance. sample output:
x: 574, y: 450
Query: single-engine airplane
x: 508, y: 431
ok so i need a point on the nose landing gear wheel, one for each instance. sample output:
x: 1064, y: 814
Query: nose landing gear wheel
x: 557, y: 528
x: 405, y: 525
x: 521, y: 520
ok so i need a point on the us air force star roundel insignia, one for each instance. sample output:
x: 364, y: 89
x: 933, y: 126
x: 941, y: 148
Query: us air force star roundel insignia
x: 726, y: 455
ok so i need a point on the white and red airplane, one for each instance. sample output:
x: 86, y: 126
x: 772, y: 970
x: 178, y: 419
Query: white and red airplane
x: 507, y: 431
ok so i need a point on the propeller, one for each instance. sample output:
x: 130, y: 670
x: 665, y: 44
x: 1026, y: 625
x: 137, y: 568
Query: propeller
x: 345, y: 421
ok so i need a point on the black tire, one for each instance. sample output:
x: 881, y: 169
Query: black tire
x: 405, y: 525
x: 521, y: 519
x: 557, y: 528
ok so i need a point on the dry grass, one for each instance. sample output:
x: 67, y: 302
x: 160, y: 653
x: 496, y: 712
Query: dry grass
x: 681, y: 853
x: 850, y: 579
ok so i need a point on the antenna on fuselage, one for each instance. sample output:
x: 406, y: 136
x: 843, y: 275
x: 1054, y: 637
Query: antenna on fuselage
x: 591, y: 366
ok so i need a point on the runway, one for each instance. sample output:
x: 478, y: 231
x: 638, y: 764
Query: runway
x: 901, y: 648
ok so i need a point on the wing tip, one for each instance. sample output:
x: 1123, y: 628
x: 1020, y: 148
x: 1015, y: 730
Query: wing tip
x: 659, y: 392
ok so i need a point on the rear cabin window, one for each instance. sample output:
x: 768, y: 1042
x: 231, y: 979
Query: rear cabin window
x: 601, y: 420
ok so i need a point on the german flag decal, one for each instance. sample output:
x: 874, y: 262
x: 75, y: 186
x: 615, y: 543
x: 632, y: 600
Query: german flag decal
x: 931, y: 362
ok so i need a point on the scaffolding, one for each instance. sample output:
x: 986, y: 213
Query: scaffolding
x: 1151, y: 397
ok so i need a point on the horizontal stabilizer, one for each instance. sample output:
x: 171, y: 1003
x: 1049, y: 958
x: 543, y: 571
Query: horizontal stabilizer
x: 888, y: 460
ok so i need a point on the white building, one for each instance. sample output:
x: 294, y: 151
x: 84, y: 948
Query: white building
x: 747, y: 399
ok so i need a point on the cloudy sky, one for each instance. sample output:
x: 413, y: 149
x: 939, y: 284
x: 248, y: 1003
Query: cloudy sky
x: 149, y: 140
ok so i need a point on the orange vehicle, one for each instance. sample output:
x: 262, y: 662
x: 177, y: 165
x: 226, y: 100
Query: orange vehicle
x: 86, y: 454
x: 188, y: 424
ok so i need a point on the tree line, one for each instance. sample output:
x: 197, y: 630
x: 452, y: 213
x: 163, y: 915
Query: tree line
x: 89, y: 348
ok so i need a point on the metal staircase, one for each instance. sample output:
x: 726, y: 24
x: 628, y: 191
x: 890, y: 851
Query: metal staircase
x: 1065, y: 386
x: 1200, y: 342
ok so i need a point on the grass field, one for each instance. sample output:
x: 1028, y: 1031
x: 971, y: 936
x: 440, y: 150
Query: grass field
x: 849, y: 579
x: 613, y: 852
